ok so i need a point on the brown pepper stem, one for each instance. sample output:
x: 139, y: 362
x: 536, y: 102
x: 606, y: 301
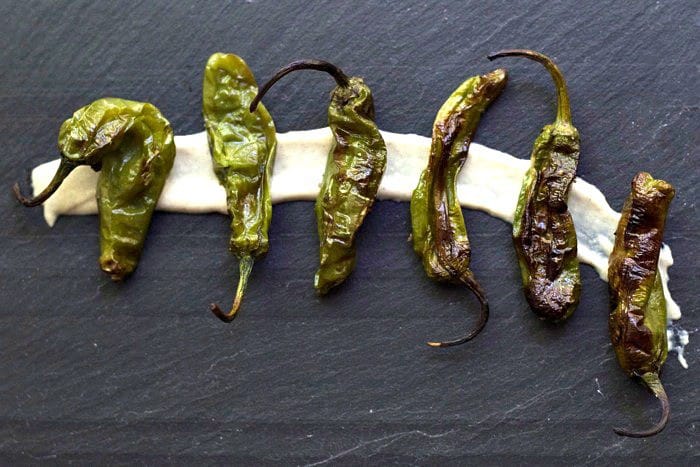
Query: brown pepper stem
x: 64, y: 168
x: 563, y: 108
x: 469, y: 280
x: 653, y: 383
x: 245, y: 266
x: 340, y: 78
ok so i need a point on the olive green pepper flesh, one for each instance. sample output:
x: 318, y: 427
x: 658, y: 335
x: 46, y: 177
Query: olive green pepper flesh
x: 638, y: 309
x: 129, y: 186
x: 131, y: 144
x: 438, y: 230
x: 354, y: 169
x: 242, y: 144
x: 353, y: 172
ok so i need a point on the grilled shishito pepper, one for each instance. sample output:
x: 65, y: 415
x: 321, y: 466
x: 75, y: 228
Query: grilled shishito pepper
x: 131, y: 144
x: 354, y: 169
x: 638, y: 308
x: 242, y: 145
x: 439, y: 233
x: 543, y: 230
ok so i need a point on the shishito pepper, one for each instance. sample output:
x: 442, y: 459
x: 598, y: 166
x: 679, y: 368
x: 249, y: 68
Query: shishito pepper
x: 638, y: 309
x: 131, y: 145
x: 242, y: 145
x: 439, y: 234
x: 543, y: 230
x: 354, y: 169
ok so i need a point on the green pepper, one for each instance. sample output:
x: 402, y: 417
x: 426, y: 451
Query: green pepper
x: 354, y: 169
x: 242, y: 145
x: 439, y: 234
x: 131, y: 144
x: 543, y: 230
x: 638, y: 308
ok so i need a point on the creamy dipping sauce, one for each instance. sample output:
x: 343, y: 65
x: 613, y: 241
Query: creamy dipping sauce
x: 490, y: 181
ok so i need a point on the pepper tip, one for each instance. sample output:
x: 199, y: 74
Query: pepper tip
x: 16, y: 191
x: 20, y: 197
x: 225, y: 317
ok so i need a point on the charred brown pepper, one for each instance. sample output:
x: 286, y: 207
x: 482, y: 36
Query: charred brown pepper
x: 638, y: 308
x: 439, y: 234
x: 543, y: 230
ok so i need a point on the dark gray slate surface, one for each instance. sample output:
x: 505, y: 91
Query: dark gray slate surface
x: 141, y: 372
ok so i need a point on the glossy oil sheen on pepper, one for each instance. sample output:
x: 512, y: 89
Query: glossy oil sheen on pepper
x: 353, y: 172
x: 638, y: 309
x: 242, y: 145
x: 131, y: 144
x: 543, y: 229
x: 438, y: 229
x: 354, y: 169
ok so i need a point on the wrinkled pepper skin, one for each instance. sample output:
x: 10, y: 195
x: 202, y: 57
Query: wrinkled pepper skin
x: 544, y: 235
x: 242, y: 146
x: 353, y: 172
x: 131, y: 145
x: 638, y: 309
x: 438, y: 230
x: 354, y: 169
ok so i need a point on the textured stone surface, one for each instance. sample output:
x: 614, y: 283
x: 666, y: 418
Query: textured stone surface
x: 141, y: 372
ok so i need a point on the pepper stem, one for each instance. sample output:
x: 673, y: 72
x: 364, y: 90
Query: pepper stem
x: 469, y: 280
x: 340, y: 78
x: 64, y: 168
x: 653, y: 383
x: 563, y: 108
x: 245, y: 266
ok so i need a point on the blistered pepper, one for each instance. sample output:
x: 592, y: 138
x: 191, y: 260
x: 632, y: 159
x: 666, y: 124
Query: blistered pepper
x: 543, y: 230
x: 354, y: 169
x: 131, y: 145
x: 242, y: 146
x: 638, y: 308
x: 439, y: 234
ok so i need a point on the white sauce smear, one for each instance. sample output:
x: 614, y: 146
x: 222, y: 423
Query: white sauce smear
x: 490, y: 181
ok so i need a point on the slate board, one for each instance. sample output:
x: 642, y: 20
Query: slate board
x: 142, y: 373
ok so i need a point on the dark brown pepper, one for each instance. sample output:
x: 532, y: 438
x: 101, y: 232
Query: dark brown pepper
x: 543, y: 229
x: 638, y: 309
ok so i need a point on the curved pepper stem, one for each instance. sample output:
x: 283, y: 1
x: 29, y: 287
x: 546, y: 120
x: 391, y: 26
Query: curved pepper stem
x: 469, y: 280
x: 653, y: 383
x: 245, y: 267
x: 340, y: 78
x: 563, y: 108
x: 64, y: 169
